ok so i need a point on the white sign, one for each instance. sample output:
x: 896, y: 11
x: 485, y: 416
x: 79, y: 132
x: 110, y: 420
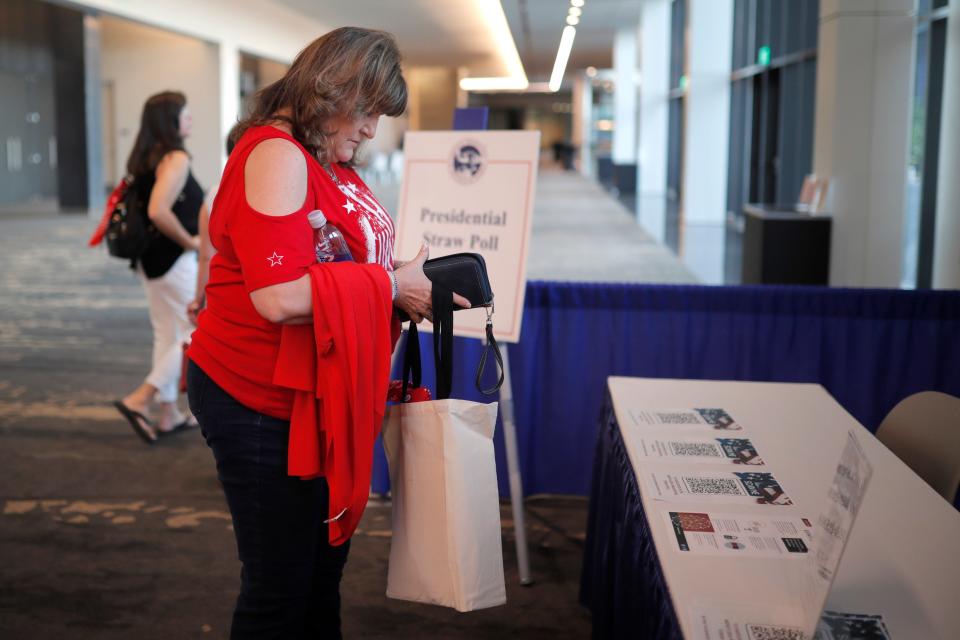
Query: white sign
x: 835, y: 523
x: 472, y: 192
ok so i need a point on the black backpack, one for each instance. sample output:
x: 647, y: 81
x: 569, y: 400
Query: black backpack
x: 129, y: 231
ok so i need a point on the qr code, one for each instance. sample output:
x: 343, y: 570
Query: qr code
x: 767, y: 632
x: 678, y: 418
x: 861, y: 626
x: 713, y: 486
x: 706, y: 449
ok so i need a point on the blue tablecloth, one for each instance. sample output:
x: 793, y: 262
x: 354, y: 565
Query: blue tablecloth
x: 622, y: 582
x: 870, y: 348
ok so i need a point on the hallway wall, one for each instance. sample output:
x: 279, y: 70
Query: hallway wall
x: 139, y: 61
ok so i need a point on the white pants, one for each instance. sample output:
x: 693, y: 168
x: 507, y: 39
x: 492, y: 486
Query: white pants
x: 168, y: 297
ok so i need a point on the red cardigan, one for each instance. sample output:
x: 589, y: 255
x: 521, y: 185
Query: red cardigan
x: 339, y: 370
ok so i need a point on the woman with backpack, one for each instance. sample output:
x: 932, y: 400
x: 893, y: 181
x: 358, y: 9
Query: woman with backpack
x: 160, y: 167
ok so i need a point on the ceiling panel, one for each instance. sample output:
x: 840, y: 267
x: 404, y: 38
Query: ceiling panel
x: 429, y: 32
x: 454, y: 32
x: 537, y: 24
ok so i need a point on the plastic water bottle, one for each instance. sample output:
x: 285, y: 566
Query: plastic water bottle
x: 328, y: 242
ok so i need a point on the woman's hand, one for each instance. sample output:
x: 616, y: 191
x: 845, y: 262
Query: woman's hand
x: 193, y: 310
x: 415, y: 291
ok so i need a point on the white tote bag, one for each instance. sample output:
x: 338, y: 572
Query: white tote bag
x: 446, y: 546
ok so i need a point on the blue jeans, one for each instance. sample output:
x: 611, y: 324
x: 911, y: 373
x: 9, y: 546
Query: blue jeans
x: 290, y: 576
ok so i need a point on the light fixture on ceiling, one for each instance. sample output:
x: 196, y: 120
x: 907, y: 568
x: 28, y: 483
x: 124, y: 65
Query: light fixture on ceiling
x: 497, y: 22
x: 576, y: 3
x: 563, y: 54
x: 573, y: 21
x: 539, y: 87
x: 504, y: 83
x: 574, y: 11
x: 591, y: 72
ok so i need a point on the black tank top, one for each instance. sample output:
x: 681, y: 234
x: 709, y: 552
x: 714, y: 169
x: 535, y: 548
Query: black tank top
x: 163, y: 252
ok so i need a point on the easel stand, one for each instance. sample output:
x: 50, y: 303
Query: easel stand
x: 513, y: 470
x: 476, y: 119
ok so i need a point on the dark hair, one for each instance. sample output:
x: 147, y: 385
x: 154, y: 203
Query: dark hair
x: 347, y: 72
x: 159, y: 132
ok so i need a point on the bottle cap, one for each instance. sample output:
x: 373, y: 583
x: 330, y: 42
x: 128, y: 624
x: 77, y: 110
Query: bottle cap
x: 316, y: 218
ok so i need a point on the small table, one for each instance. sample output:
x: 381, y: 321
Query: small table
x: 902, y: 560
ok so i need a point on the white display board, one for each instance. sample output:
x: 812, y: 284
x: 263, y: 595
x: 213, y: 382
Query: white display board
x: 472, y: 192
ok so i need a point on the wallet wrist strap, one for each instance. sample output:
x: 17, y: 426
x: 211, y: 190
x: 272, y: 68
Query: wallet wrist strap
x: 443, y: 351
x: 491, y: 345
x: 411, y: 361
x: 443, y: 339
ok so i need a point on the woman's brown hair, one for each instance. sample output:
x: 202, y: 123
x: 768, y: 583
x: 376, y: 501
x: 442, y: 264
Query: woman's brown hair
x: 159, y: 132
x: 347, y: 72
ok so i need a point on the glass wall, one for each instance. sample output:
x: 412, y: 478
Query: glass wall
x: 773, y: 86
x: 920, y: 212
x: 601, y: 128
x: 675, y: 126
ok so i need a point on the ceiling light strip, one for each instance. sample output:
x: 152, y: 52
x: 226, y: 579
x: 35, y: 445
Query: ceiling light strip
x: 496, y: 20
x: 563, y: 54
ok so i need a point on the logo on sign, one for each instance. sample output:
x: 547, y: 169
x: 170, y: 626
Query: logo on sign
x: 468, y: 162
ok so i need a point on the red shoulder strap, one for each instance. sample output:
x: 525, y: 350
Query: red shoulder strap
x: 115, y: 197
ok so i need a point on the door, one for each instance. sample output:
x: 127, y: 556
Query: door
x: 13, y: 90
x: 27, y: 139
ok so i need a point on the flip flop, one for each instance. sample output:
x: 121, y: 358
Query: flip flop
x: 137, y: 420
x: 186, y: 425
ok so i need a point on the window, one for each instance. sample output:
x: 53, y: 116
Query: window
x: 675, y: 126
x: 772, y: 101
x: 773, y: 84
x: 921, y: 203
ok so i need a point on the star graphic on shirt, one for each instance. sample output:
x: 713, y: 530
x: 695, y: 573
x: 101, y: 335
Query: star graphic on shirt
x: 275, y: 259
x: 350, y: 207
x: 352, y: 187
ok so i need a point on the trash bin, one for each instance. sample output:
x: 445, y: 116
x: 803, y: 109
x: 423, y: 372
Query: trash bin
x: 783, y: 245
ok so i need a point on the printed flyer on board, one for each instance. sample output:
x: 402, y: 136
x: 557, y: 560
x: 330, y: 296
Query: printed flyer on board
x: 743, y: 621
x: 741, y: 487
x: 746, y: 535
x: 738, y: 451
x: 747, y: 621
x: 697, y: 418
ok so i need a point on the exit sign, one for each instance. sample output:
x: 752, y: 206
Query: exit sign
x: 763, y: 55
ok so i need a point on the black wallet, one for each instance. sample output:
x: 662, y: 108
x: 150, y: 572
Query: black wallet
x: 463, y: 273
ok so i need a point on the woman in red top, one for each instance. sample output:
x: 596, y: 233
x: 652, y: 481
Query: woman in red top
x: 295, y: 154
